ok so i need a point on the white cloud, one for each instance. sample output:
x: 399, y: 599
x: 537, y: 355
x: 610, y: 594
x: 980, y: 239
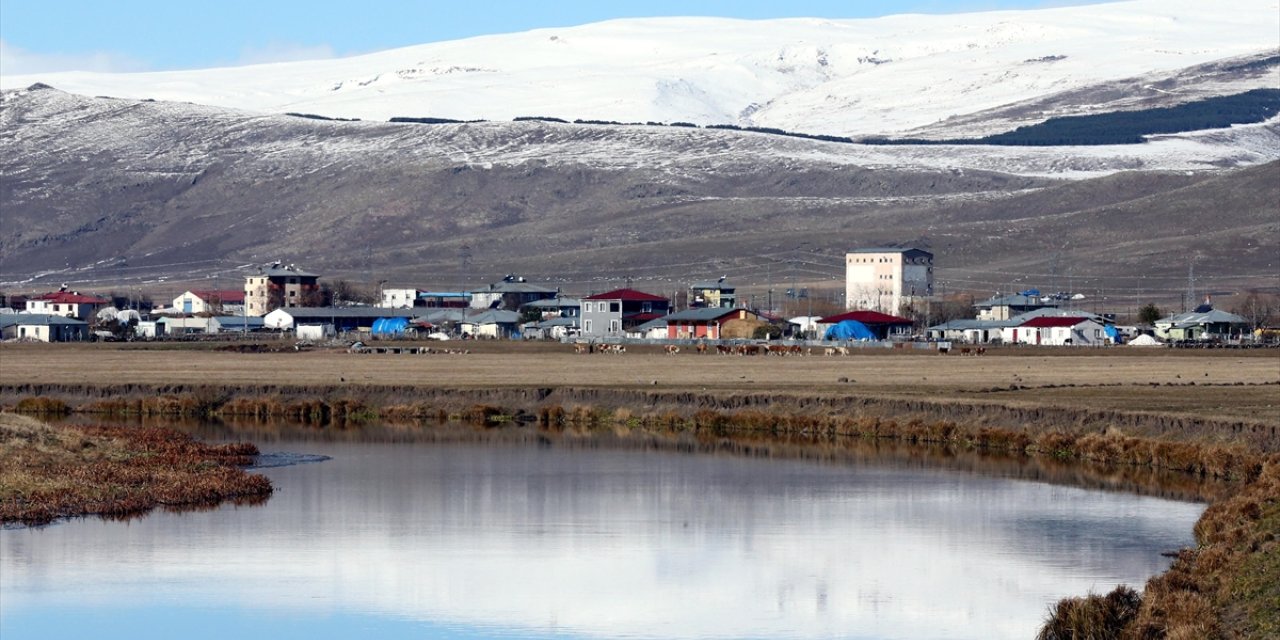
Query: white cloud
x: 18, y: 61
x: 284, y: 52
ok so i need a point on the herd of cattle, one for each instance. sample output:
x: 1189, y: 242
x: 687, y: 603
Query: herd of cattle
x: 751, y: 349
x: 721, y: 349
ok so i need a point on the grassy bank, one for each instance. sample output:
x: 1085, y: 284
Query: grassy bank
x: 51, y: 472
x: 1227, y: 586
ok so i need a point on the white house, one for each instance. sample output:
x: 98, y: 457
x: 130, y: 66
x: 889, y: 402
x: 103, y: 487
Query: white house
x: 43, y: 327
x: 510, y: 294
x: 399, y: 298
x: 887, y: 279
x: 1057, y: 331
x: 68, y: 304
x: 207, y: 301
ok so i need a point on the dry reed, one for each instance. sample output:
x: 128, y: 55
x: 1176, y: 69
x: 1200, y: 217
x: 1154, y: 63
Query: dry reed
x: 50, y: 472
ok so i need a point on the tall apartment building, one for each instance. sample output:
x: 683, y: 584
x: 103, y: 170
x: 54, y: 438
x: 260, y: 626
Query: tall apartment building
x: 887, y: 279
x: 280, y: 286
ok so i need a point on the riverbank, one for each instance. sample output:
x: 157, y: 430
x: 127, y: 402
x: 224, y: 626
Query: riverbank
x: 1205, y: 414
x: 48, y: 473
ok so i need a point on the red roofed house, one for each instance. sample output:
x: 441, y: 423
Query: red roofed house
x: 1056, y: 331
x: 883, y: 325
x: 68, y: 304
x: 704, y: 322
x: 612, y: 313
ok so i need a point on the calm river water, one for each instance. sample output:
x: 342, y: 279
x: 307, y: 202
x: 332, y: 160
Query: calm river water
x: 422, y: 540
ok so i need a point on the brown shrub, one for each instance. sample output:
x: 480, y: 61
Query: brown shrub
x: 42, y: 405
x: 1093, y: 617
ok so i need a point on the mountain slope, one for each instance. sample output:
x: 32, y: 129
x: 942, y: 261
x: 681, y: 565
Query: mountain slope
x: 845, y: 77
x: 118, y: 191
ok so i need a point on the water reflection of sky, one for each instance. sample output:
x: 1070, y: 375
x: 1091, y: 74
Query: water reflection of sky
x: 472, y: 541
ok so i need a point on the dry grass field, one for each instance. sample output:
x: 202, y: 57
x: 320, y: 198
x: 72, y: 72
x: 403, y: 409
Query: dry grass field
x: 1240, y: 385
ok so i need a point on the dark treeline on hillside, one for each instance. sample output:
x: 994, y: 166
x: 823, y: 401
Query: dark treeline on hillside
x: 1129, y: 127
x: 1115, y: 127
x: 313, y: 116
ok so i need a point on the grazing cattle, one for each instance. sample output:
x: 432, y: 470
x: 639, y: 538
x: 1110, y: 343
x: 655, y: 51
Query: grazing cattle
x: 795, y: 350
x: 844, y: 351
x: 724, y: 349
x: 581, y: 348
x: 672, y: 349
x: 702, y: 347
x: 980, y: 351
x: 964, y: 351
x: 829, y: 351
x: 749, y: 350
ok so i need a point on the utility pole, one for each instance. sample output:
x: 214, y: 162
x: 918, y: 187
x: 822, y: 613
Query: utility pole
x: 1191, y: 285
x: 768, y: 276
x: 464, y: 257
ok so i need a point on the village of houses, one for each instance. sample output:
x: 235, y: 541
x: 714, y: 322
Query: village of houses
x: 284, y: 300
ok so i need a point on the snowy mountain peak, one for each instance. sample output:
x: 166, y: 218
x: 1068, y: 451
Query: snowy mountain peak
x: 847, y: 77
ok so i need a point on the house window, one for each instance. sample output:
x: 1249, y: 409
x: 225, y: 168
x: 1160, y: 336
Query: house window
x: 613, y: 307
x: 646, y: 307
x: 615, y: 326
x: 586, y: 326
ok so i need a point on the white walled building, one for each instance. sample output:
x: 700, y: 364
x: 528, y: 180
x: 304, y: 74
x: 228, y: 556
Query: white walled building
x: 211, y: 301
x: 399, y: 298
x: 68, y: 304
x: 887, y: 279
x: 1056, y: 331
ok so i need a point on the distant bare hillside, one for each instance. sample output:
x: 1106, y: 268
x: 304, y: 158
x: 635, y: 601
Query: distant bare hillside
x: 111, y: 191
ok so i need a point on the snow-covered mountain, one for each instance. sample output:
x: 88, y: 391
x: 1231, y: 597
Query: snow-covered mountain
x: 890, y: 75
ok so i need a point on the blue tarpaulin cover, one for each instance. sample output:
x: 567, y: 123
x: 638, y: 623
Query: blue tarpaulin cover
x: 389, y: 326
x: 848, y: 330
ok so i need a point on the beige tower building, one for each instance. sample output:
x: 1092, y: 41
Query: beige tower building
x: 888, y: 280
x: 280, y: 286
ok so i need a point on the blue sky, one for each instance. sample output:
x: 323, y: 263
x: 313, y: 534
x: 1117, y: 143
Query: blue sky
x: 139, y: 35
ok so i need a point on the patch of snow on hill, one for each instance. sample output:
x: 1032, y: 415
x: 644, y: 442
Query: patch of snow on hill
x: 46, y: 127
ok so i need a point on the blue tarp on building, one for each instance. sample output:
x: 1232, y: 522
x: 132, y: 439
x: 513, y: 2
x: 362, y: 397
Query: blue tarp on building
x: 389, y: 326
x: 848, y: 330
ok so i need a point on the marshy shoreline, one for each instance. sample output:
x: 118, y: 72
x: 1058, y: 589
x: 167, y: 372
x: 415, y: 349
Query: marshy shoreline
x: 1103, y: 411
x: 51, y: 473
